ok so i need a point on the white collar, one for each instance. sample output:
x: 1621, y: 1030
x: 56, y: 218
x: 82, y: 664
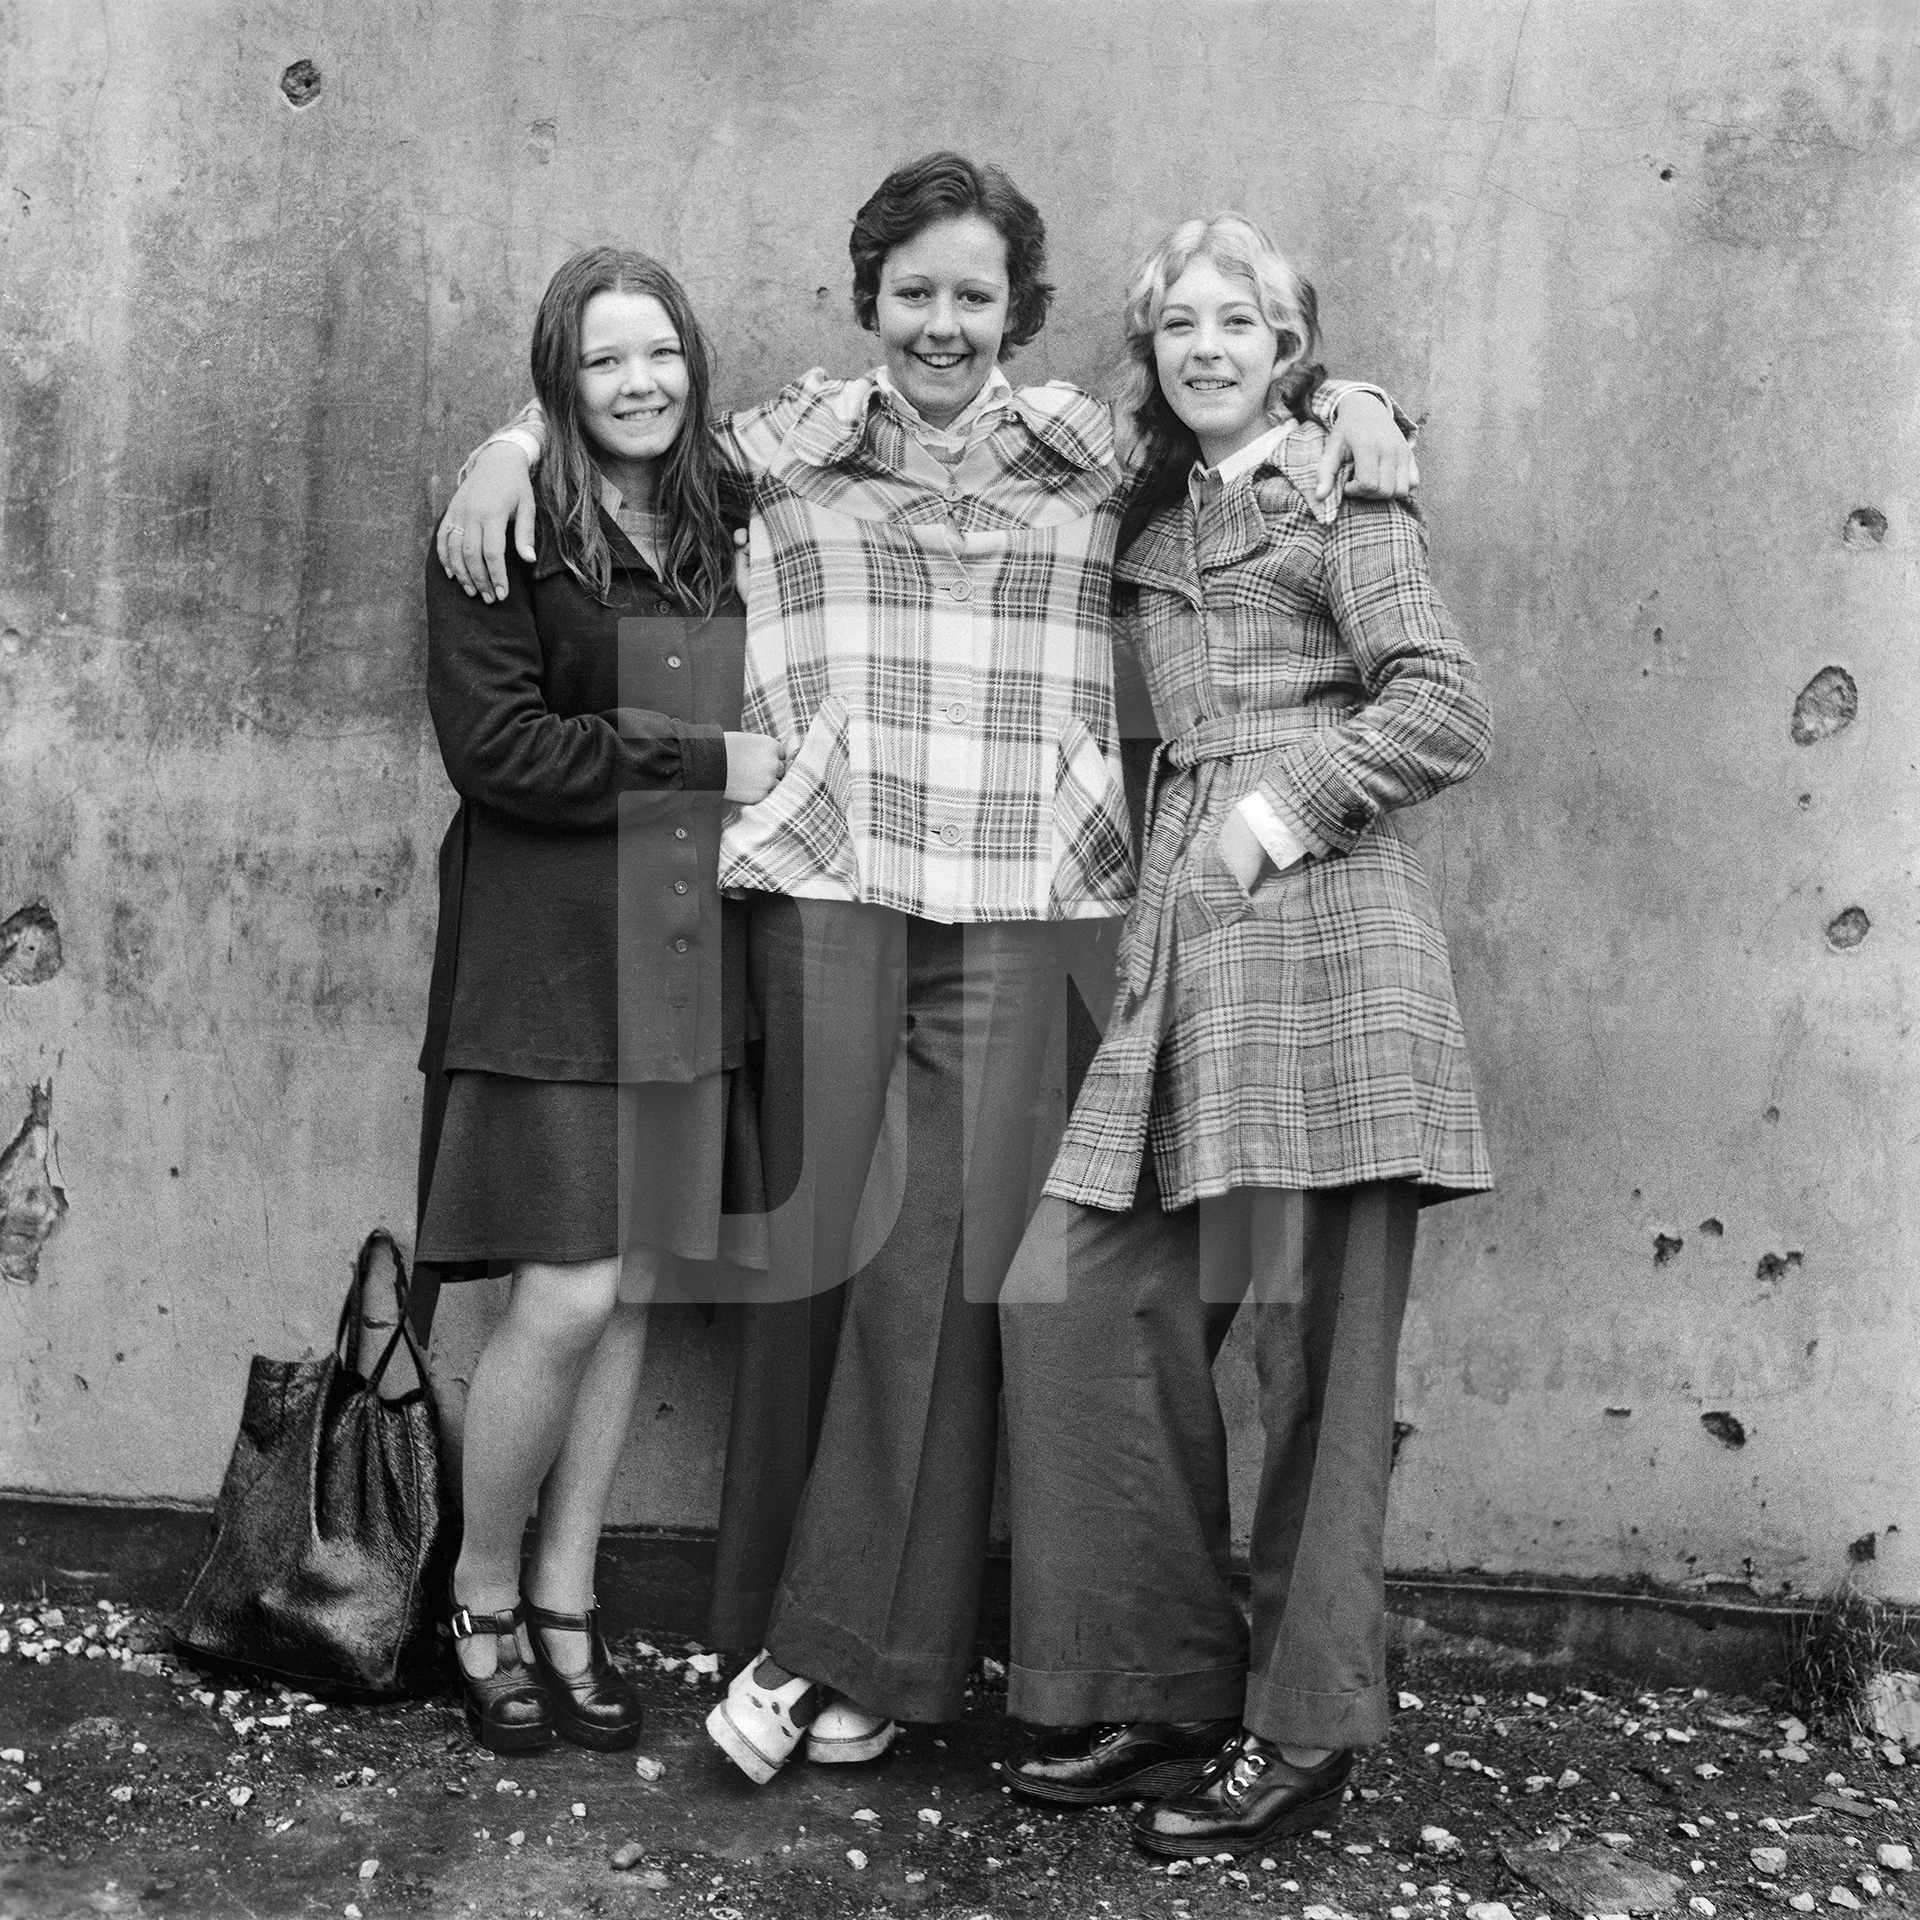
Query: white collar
x: 1246, y: 458
x: 995, y: 395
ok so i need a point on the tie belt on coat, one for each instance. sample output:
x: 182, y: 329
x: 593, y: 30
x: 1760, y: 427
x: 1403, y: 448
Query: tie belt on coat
x: 1198, y: 751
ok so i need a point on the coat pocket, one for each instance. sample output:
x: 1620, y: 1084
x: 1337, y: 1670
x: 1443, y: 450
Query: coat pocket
x: 800, y: 830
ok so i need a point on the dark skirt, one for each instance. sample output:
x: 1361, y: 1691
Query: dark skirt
x: 565, y: 1171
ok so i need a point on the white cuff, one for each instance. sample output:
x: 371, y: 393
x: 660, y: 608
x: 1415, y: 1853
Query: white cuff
x: 1284, y: 847
x: 519, y: 437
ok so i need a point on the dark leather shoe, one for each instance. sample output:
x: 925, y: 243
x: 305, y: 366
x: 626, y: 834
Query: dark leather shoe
x: 508, y: 1711
x: 1099, y: 1766
x: 596, y: 1707
x: 1246, y: 1798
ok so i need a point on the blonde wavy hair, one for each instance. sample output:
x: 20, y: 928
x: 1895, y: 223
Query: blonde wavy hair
x: 1162, y: 445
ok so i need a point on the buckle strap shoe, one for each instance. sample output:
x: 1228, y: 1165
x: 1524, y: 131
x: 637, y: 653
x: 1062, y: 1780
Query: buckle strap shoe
x: 758, y: 1725
x: 1246, y: 1798
x: 596, y: 1707
x: 1103, y: 1765
x: 507, y: 1710
x: 843, y: 1735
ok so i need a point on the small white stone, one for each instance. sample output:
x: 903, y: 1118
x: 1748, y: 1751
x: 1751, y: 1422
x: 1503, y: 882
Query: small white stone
x: 1700, y: 1904
x: 1439, y: 1840
x: 517, y: 1838
x: 928, y: 1816
x: 13, y: 1756
x: 368, y: 1868
x: 1771, y: 1861
x: 1894, y: 1857
x: 1843, y: 1897
x: 865, y: 1813
x: 239, y: 1796
x: 1410, y: 1702
x: 1869, y: 1883
x: 856, y: 1859
x: 579, y: 1809
x: 1803, y: 1903
x: 124, y: 1794
x: 1567, y: 1780
x: 648, y: 1768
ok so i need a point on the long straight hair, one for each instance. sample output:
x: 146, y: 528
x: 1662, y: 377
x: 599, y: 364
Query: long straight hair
x: 697, y: 556
x: 1165, y: 446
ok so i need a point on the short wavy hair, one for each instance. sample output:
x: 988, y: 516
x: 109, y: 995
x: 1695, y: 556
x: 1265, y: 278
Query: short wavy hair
x: 1164, y: 445
x: 948, y: 186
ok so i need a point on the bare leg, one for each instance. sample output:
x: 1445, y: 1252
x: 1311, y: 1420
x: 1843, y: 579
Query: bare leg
x: 573, y: 1498
x: 519, y: 1411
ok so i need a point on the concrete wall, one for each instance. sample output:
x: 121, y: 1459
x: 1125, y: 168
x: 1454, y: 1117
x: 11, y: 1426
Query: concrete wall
x: 1651, y: 269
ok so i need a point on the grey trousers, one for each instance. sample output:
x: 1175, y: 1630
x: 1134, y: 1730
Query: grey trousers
x: 1121, y: 1534
x: 866, y: 1411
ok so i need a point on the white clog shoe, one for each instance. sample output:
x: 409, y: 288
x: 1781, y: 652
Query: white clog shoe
x: 843, y: 1734
x: 757, y: 1727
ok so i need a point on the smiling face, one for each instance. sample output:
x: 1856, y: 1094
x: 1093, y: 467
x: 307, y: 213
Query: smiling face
x: 632, y: 387
x: 1216, y: 357
x: 941, y: 311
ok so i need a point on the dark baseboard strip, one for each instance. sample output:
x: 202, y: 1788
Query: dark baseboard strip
x: 145, y: 1555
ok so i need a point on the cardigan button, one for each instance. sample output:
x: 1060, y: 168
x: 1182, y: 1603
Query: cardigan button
x: 679, y: 833
x: 673, y: 659
x: 950, y: 834
x: 679, y: 886
x: 679, y: 946
x: 962, y: 589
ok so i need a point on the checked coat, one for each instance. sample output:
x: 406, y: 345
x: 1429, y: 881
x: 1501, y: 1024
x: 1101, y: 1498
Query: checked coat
x: 1305, y: 1036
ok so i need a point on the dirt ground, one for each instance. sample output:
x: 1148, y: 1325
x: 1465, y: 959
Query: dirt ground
x: 130, y: 1785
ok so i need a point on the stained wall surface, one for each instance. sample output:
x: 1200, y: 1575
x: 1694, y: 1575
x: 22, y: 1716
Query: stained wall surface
x: 1649, y: 271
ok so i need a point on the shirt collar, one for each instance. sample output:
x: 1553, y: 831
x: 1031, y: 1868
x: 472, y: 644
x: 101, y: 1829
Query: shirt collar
x: 993, y: 398
x: 1239, y: 463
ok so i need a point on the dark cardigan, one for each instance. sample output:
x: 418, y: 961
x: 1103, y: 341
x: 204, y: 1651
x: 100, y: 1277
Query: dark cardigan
x: 582, y: 935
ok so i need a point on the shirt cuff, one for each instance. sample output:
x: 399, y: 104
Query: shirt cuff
x: 1284, y: 847
x: 519, y: 437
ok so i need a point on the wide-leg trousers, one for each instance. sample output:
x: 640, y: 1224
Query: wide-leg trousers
x: 1122, y: 1608
x: 903, y: 1085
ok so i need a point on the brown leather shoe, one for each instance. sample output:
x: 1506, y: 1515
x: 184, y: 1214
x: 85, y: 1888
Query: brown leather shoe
x: 1246, y: 1798
x: 1101, y: 1766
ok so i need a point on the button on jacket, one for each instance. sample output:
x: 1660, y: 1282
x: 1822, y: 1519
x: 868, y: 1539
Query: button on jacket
x: 1306, y: 1035
x: 582, y: 935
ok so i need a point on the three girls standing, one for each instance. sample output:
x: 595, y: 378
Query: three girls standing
x: 927, y: 636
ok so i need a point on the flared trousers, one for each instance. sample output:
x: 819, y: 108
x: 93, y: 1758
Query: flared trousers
x: 1122, y: 1551
x: 902, y: 1090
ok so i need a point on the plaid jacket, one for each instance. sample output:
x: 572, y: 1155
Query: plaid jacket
x: 932, y: 645
x: 1306, y: 1036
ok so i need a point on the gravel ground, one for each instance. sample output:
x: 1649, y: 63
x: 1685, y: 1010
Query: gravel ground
x: 131, y: 1785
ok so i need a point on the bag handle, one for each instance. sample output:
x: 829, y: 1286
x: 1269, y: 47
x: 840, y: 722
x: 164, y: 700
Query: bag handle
x: 350, y: 1310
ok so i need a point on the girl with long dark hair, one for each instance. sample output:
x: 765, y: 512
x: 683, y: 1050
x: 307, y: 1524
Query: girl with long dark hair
x: 587, y: 1007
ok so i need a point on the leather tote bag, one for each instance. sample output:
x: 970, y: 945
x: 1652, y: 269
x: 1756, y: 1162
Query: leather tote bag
x: 334, y: 1527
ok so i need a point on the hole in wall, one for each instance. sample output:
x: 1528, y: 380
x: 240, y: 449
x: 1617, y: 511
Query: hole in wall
x: 1666, y: 1248
x: 1724, y: 1428
x: 1774, y: 1267
x: 29, y: 946
x: 1848, y: 928
x: 1866, y: 527
x: 1826, y: 706
x: 301, y: 83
